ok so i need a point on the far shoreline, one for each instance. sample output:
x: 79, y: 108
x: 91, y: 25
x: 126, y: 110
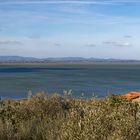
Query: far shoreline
x: 69, y: 63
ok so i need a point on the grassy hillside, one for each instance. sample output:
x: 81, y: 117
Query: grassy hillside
x: 44, y: 117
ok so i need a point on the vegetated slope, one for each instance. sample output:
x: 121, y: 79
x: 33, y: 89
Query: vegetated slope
x: 45, y: 117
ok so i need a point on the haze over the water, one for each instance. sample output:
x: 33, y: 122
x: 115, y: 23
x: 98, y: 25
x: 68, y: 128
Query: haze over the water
x: 70, y: 28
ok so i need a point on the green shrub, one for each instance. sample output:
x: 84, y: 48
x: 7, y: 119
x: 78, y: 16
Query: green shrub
x: 44, y: 117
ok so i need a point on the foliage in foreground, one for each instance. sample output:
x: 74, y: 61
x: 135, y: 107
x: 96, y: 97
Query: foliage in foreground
x: 54, y: 117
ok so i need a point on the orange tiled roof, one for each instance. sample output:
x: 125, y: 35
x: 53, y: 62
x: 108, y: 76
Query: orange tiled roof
x: 131, y: 95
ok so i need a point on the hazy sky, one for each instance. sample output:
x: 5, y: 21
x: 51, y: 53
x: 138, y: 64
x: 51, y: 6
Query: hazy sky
x: 76, y: 28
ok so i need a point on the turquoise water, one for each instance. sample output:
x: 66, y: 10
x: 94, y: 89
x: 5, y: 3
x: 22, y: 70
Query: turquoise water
x: 17, y: 80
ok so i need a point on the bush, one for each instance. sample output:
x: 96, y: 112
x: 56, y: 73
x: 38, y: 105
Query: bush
x: 44, y: 117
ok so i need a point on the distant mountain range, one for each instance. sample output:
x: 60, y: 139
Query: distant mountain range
x: 17, y: 58
x: 61, y: 59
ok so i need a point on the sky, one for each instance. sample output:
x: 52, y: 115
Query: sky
x: 70, y: 28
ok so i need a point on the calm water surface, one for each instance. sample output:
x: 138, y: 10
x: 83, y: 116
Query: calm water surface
x: 17, y: 80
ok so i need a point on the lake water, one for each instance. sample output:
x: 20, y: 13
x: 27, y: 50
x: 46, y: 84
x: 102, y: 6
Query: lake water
x: 97, y: 79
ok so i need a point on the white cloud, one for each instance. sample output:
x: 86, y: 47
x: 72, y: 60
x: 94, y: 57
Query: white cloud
x: 56, y: 2
x: 117, y: 44
x: 9, y: 42
x: 127, y: 36
x: 90, y: 45
x: 56, y: 15
x: 68, y: 2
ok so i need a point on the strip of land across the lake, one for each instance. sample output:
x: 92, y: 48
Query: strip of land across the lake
x: 19, y: 59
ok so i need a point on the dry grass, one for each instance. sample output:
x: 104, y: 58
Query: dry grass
x: 54, y: 117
